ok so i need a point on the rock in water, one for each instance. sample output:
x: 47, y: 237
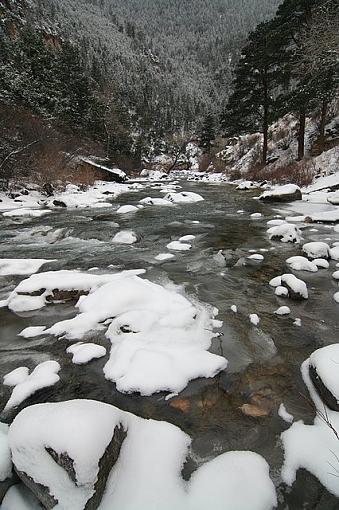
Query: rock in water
x: 65, y: 452
x: 287, y: 193
x: 323, y: 373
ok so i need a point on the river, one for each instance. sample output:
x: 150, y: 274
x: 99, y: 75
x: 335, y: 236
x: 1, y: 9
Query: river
x: 237, y: 410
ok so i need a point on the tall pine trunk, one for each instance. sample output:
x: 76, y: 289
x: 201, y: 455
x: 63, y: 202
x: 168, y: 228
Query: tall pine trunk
x: 301, y: 135
x: 265, y: 118
x: 322, y: 125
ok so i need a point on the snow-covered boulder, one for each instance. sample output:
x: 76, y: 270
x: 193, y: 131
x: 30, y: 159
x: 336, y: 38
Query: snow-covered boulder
x: 246, y: 185
x: 70, y: 469
x: 53, y: 286
x: 155, y: 201
x: 297, y: 288
x: 286, y: 193
x: 286, y: 233
x: 316, y: 250
x: 126, y: 209
x: 85, y: 352
x: 299, y: 263
x: 183, y: 197
x: 323, y: 371
x: 125, y: 237
x: 334, y: 253
x: 133, y: 463
x: 44, y: 375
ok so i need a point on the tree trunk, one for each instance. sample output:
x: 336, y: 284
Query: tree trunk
x: 322, y: 125
x: 265, y: 119
x: 301, y: 135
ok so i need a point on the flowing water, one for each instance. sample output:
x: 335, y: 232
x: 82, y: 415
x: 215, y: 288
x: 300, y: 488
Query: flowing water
x: 237, y: 410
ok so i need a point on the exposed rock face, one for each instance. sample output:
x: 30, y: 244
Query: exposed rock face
x: 326, y: 396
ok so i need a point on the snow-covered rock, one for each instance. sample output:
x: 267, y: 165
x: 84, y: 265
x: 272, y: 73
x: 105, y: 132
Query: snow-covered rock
x: 137, y: 462
x: 5, y: 454
x: 85, y: 352
x: 286, y: 233
x: 286, y: 193
x: 21, y: 266
x: 40, y: 289
x: 16, y: 376
x: 316, y: 250
x: 254, y: 319
x: 125, y: 237
x: 315, y: 447
x: 297, y: 288
x: 153, y: 327
x: 256, y: 256
x: 283, y: 310
x: 299, y: 263
x: 178, y: 246
x: 125, y: 209
x: 44, y: 375
x: 155, y: 201
x: 284, y: 414
x: 32, y: 213
x: 281, y: 291
x: 183, y: 197
x: 334, y: 253
x: 161, y: 257
x: 321, y: 263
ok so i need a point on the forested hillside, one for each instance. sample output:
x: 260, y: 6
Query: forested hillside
x: 123, y: 73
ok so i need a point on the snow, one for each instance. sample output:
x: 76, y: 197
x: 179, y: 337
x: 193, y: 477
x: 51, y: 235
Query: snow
x: 284, y: 414
x: 21, y: 266
x: 187, y: 238
x: 299, y: 263
x: 160, y: 341
x: 297, y: 322
x: 336, y: 297
x: 315, y: 447
x: 5, y: 454
x: 288, y: 233
x: 335, y: 275
x: 33, y: 213
x: 244, y: 185
x: 18, y: 497
x: 256, y: 256
x: 234, y: 308
x: 125, y: 237
x: 281, y: 291
x: 298, y: 286
x: 32, y: 331
x: 254, y: 319
x: 178, y: 246
x: 85, y: 352
x: 65, y: 280
x: 115, y: 171
x: 148, y: 471
x: 16, y: 376
x: 183, y: 197
x: 44, y: 375
x: 334, y: 253
x: 326, y: 360
x: 155, y: 201
x: 283, y: 310
x: 321, y: 263
x: 256, y: 216
x: 287, y: 189
x: 316, y: 250
x: 164, y: 256
x: 125, y: 209
x: 276, y: 223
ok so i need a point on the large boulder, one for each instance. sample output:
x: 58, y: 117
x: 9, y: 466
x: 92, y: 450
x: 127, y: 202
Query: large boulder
x: 65, y: 452
x: 323, y: 370
x: 286, y: 193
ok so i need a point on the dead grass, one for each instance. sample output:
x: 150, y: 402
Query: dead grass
x: 300, y: 173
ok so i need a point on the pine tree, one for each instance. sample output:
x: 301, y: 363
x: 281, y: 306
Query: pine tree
x: 207, y: 133
x: 251, y: 106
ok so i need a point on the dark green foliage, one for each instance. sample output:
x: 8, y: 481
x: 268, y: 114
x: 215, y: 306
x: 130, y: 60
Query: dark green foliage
x: 207, y: 133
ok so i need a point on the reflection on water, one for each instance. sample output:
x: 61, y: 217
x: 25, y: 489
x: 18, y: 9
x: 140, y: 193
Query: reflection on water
x: 238, y: 408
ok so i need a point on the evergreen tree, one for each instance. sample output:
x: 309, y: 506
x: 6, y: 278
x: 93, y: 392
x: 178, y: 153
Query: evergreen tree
x: 207, y: 133
x: 251, y: 106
